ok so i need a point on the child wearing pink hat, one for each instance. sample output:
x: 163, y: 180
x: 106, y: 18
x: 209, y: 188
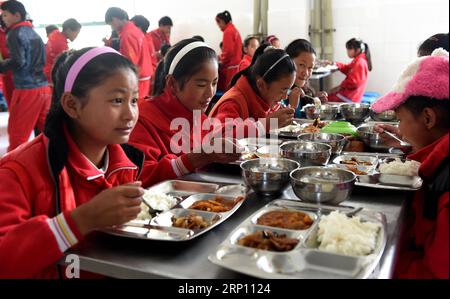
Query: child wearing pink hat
x: 421, y: 101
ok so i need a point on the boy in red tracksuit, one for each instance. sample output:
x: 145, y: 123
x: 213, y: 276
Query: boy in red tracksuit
x: 57, y: 43
x: 133, y: 45
x: 356, y: 72
x: 81, y: 157
x: 31, y: 98
x: 421, y: 101
x: 231, y: 47
x: 182, y: 88
x: 161, y: 35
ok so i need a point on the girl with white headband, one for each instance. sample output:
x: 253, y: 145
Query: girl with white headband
x: 257, y: 91
x: 76, y: 177
x: 185, y: 83
x: 356, y: 72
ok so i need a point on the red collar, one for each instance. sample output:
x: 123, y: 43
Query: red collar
x: 248, y: 58
x: 431, y: 156
x: 78, y: 162
x: 255, y: 102
x: 227, y: 26
x: 21, y: 24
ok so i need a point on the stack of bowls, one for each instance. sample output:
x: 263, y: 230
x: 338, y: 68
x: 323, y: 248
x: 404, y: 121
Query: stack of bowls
x: 322, y: 185
x: 306, y: 153
x: 336, y: 141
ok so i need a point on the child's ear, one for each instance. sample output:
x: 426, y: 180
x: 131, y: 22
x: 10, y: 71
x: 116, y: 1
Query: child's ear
x: 172, y: 83
x: 261, y: 84
x: 430, y: 118
x: 70, y: 105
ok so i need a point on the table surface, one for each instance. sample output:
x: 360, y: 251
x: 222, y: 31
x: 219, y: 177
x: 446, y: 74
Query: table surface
x: 121, y: 257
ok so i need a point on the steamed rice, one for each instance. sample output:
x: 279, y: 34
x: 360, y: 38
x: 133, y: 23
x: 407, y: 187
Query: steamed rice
x: 158, y: 201
x: 348, y: 236
x: 397, y: 167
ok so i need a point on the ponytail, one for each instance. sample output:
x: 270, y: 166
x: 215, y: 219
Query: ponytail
x: 368, y: 56
x: 224, y: 16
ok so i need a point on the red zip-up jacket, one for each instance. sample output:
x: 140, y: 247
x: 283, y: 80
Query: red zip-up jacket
x: 231, y: 52
x: 152, y: 51
x: 424, y: 251
x: 8, y: 84
x: 355, y: 82
x: 56, y: 44
x: 133, y: 44
x: 32, y: 237
x: 154, y: 137
x: 159, y: 39
x: 245, y: 63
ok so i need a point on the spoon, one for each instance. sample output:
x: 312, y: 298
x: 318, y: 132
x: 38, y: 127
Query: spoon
x: 402, y: 143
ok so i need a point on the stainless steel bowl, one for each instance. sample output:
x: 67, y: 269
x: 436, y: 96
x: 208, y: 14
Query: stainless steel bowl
x: 336, y: 141
x: 329, y: 112
x: 311, y: 111
x: 389, y: 115
x: 306, y: 153
x: 355, y: 113
x: 322, y: 185
x: 268, y: 176
x: 373, y: 139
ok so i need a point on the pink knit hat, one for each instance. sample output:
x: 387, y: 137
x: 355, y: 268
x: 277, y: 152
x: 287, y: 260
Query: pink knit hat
x: 426, y: 76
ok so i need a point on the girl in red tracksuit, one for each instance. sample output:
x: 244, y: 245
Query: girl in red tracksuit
x: 231, y: 47
x: 133, y: 45
x: 356, y: 72
x: 421, y: 102
x: 256, y: 92
x: 185, y: 83
x: 251, y: 43
x: 76, y: 177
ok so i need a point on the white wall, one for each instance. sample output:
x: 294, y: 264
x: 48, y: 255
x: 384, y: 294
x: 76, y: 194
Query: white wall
x: 393, y: 29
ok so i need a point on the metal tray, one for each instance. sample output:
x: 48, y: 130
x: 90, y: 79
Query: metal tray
x: 390, y: 182
x: 184, y: 188
x: 305, y: 260
x: 160, y: 227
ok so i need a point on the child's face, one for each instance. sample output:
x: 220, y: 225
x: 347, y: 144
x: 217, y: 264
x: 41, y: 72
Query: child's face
x: 250, y: 50
x: 199, y: 90
x: 72, y: 35
x: 110, y: 111
x: 166, y: 29
x: 276, y: 91
x: 221, y: 23
x: 10, y: 19
x: 305, y: 64
x: 352, y: 53
x: 413, y: 128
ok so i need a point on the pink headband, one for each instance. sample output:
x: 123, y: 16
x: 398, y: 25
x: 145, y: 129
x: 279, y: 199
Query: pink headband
x: 81, y: 62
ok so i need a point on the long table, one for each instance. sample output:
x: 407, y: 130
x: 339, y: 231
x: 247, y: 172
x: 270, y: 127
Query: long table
x: 120, y: 257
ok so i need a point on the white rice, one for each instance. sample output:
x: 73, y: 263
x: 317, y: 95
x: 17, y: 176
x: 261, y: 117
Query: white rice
x: 158, y: 201
x: 397, y: 167
x: 348, y: 236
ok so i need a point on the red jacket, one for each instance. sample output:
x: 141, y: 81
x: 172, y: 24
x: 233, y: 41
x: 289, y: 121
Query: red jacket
x: 133, y: 45
x: 241, y: 102
x: 245, y: 63
x: 355, y: 83
x: 231, y: 52
x: 159, y: 39
x: 7, y: 82
x: 57, y: 43
x: 424, y: 251
x: 32, y: 237
x: 155, y: 138
x: 152, y: 51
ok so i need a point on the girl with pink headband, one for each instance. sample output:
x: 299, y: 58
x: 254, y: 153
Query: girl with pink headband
x: 76, y: 177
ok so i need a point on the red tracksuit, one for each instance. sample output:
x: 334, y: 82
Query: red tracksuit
x: 7, y: 78
x: 245, y: 63
x: 153, y: 136
x: 241, y: 101
x: 56, y: 44
x: 159, y: 39
x: 133, y: 45
x: 231, y: 52
x: 355, y: 83
x: 32, y: 237
x: 424, y: 251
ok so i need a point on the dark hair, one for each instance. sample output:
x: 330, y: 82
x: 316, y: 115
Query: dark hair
x: 91, y: 75
x: 416, y: 104
x: 188, y: 66
x: 434, y: 42
x: 115, y: 12
x: 358, y: 44
x: 14, y: 7
x: 199, y: 38
x: 141, y: 22
x: 299, y: 46
x: 248, y: 39
x: 224, y: 16
x: 72, y: 25
x: 50, y: 28
x: 165, y: 21
x: 265, y: 57
x: 164, y: 49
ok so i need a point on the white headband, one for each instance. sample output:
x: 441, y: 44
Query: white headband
x: 274, y: 65
x: 188, y: 48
